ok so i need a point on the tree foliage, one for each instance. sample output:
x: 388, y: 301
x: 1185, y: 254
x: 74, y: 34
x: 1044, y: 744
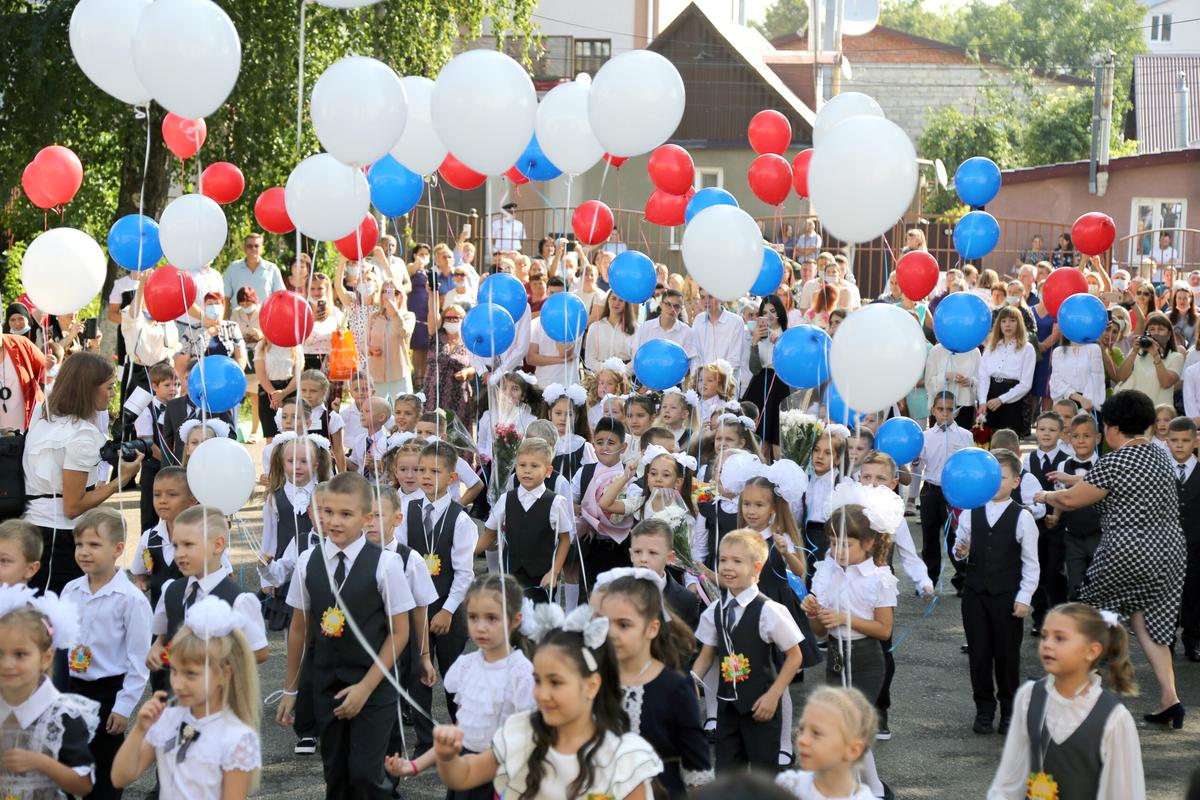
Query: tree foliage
x: 783, y: 17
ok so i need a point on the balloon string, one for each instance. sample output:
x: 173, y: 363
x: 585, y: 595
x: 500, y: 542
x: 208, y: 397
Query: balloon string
x: 603, y: 180
x: 435, y: 296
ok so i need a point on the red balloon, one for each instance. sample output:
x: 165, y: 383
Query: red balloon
x: 770, y: 178
x: 59, y: 173
x: 616, y: 161
x: 917, y: 274
x: 170, y: 292
x: 592, y: 222
x: 671, y: 169
x: 286, y: 319
x: 769, y: 132
x: 459, y: 175
x: 359, y: 244
x: 184, y: 137
x: 1061, y: 284
x: 271, y: 211
x: 667, y: 209
x: 1093, y: 233
x: 515, y: 176
x: 32, y: 184
x: 223, y: 182
x: 800, y: 172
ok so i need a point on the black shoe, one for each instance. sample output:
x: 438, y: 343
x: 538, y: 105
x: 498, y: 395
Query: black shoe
x: 1172, y: 716
x: 711, y: 733
x: 965, y: 648
x: 983, y: 724
x: 1002, y: 728
x: 305, y: 746
x: 1036, y: 631
x: 1192, y: 652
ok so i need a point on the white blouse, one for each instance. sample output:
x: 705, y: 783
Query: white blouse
x: 942, y: 361
x: 802, y: 785
x: 220, y: 743
x: 859, y: 589
x: 1007, y: 362
x: 52, y: 445
x: 1077, y: 369
x: 604, y: 340
x: 488, y: 693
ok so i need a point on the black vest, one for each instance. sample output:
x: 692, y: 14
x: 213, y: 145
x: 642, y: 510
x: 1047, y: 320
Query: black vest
x: 529, y: 538
x: 681, y: 602
x: 1075, y: 764
x: 160, y: 570
x: 322, y: 425
x: 227, y: 590
x: 994, y: 564
x: 569, y: 463
x: 339, y: 661
x: 440, y: 543
x: 717, y: 523
x: 1036, y: 469
x: 289, y: 524
x: 586, y: 473
x: 1080, y: 522
x: 1016, y: 494
x: 745, y: 641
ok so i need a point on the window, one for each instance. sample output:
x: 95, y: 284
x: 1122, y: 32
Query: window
x: 710, y: 177
x: 1150, y: 217
x: 1154, y: 28
x: 1166, y: 27
x: 590, y: 54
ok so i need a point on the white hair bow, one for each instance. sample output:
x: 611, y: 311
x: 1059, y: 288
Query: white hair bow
x: 737, y: 419
x: 550, y: 617
x: 615, y: 364
x: 786, y: 476
x: 529, y: 378
x: 217, y: 426
x: 724, y: 366
x: 655, y: 450
x: 212, y: 618
x: 837, y: 429
x: 420, y: 396
x: 289, y: 436
x: 62, y: 617
x: 641, y: 574
x: 575, y: 393
x: 732, y: 406
x: 690, y: 397
x: 400, y: 439
x: 1111, y: 619
x: 883, y: 508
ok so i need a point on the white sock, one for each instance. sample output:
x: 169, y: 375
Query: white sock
x: 869, y: 775
x: 493, y: 560
x: 710, y: 694
x: 570, y: 596
x: 785, y: 717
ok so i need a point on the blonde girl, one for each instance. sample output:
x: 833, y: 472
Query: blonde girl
x: 612, y: 378
x: 715, y: 385
x: 402, y: 465
x: 1163, y: 414
x: 193, y: 433
x: 206, y: 747
x: 835, y: 733
x: 679, y: 413
x: 828, y: 469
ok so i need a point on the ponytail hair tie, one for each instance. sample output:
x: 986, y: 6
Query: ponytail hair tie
x: 1110, y: 617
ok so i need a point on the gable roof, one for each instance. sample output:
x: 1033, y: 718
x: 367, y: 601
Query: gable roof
x: 1154, y: 81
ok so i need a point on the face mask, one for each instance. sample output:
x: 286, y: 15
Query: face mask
x: 1093, y: 289
x: 453, y: 327
x: 460, y: 281
x: 831, y: 279
x: 212, y: 311
x: 250, y: 309
x: 1012, y: 301
x: 1120, y: 284
x: 364, y: 290
x: 20, y: 331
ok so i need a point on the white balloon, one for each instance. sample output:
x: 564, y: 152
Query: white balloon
x: 419, y: 149
x: 484, y: 107
x: 723, y: 251
x: 101, y: 35
x: 636, y: 102
x: 877, y: 357
x: 188, y: 54
x: 63, y: 270
x: 863, y: 179
x: 564, y: 130
x: 358, y: 109
x: 192, y: 231
x: 841, y: 108
x: 325, y: 198
x: 220, y: 473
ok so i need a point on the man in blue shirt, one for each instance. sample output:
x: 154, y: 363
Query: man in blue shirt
x: 253, y: 271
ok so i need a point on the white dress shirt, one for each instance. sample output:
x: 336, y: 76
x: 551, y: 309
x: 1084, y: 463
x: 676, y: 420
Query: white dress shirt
x: 1007, y: 362
x: 299, y: 496
x: 114, y: 624
x: 138, y: 567
x: 1077, y: 369
x: 939, y: 445
x: 727, y: 338
x: 858, y: 589
x: 561, y: 519
x: 1191, y: 391
x: 912, y: 564
x: 679, y: 333
x: 462, y: 551
x: 941, y: 361
x: 1027, y: 537
x: 564, y: 370
x: 818, y: 495
x: 246, y: 604
x: 1042, y: 458
x: 1029, y: 487
x: 389, y: 576
x: 775, y: 624
x: 416, y: 572
x: 224, y: 743
x: 700, y: 539
x: 336, y: 423
x: 507, y: 232
x: 1121, y: 775
x: 604, y: 341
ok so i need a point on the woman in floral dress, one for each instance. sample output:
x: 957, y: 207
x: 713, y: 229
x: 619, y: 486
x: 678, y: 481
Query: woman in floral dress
x: 449, y: 376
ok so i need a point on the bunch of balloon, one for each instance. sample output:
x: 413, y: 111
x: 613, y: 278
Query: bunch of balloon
x: 53, y: 177
x: 770, y: 174
x: 672, y: 172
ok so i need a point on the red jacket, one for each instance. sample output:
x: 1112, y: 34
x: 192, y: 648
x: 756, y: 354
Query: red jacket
x: 31, y: 370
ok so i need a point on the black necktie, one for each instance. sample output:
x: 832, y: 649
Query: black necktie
x: 191, y: 598
x: 339, y: 574
x: 730, y: 615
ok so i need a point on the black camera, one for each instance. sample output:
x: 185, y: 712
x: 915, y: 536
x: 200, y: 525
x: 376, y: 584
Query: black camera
x: 1145, y: 342
x: 128, y: 449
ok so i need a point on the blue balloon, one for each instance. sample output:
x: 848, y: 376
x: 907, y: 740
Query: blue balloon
x: 660, y: 364
x: 564, y: 317
x: 217, y: 384
x: 505, y: 291
x: 534, y: 164
x: 801, y: 357
x: 1082, y: 318
x: 900, y: 438
x: 631, y: 276
x: 976, y: 235
x: 133, y: 242
x: 839, y: 412
x: 770, y: 276
x: 706, y: 198
x: 970, y: 478
x: 395, y: 189
x: 488, y: 330
x: 962, y: 321
x: 977, y: 181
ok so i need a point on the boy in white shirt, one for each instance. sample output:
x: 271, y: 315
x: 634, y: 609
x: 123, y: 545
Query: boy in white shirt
x: 942, y: 440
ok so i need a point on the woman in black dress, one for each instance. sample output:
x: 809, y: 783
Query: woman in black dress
x: 1138, y: 569
x: 766, y: 390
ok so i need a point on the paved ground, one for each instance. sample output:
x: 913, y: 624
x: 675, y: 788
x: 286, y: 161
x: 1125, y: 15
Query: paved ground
x: 933, y: 753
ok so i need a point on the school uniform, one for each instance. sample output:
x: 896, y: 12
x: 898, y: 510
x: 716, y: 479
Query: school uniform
x: 1001, y: 569
x: 441, y: 532
x: 181, y: 594
x: 108, y: 663
x: 155, y: 556
x: 608, y: 546
x: 682, y: 602
x: 717, y: 518
x: 940, y: 444
x: 149, y: 424
x: 285, y: 520
x: 52, y: 723
x: 1189, y: 514
x: 178, y: 411
x: 571, y: 452
x: 1006, y: 373
x: 858, y: 589
x: 817, y: 497
x: 1052, y: 587
x: 373, y: 443
x: 530, y: 523
x: 749, y: 625
x: 1080, y: 530
x: 325, y: 422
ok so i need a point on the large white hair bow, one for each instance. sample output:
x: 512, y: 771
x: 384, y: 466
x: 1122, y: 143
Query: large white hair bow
x: 883, y: 508
x: 614, y: 364
x: 212, y: 618
x: 641, y: 574
x: 575, y: 393
x: 549, y: 617
x: 736, y: 419
x: 723, y: 366
x: 290, y: 436
x: 528, y: 377
x: 217, y: 426
x: 62, y: 617
x: 655, y: 450
x: 400, y: 439
x: 837, y: 429
x: 690, y: 397
x: 786, y: 476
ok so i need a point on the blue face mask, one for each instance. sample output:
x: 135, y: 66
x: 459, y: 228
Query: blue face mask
x: 212, y: 311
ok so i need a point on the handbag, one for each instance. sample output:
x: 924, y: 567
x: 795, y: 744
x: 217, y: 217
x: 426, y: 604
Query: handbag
x: 12, y: 475
x: 343, y: 356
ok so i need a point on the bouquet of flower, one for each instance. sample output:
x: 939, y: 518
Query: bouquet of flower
x: 681, y: 524
x: 505, y: 442
x: 798, y: 432
x: 702, y: 492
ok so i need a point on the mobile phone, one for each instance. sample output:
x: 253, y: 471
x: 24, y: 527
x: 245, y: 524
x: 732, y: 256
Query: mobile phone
x: 89, y: 328
x: 466, y: 229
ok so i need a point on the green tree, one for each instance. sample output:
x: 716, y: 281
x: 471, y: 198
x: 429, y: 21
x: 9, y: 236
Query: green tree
x: 783, y: 17
x: 1060, y: 130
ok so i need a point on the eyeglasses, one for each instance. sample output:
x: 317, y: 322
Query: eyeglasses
x: 460, y: 274
x: 452, y: 319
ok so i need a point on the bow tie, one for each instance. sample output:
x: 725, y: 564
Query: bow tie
x: 188, y: 734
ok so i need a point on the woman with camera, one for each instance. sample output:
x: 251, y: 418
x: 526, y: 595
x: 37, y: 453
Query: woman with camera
x: 1154, y: 364
x: 62, y: 454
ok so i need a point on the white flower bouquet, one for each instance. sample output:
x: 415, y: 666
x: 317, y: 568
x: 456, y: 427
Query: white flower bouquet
x: 798, y: 432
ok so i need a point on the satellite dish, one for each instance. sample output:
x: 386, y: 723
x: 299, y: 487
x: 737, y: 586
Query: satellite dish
x: 859, y: 17
x: 847, y: 72
x: 939, y: 169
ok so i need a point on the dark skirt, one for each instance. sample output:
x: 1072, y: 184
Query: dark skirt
x: 266, y: 414
x: 772, y: 582
x: 482, y: 792
x: 767, y: 392
x: 1009, y: 415
x: 866, y: 665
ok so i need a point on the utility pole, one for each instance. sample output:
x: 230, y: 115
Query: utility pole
x: 1102, y: 100
x: 1181, y: 111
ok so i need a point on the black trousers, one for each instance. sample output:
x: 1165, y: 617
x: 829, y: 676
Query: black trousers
x: 445, y: 650
x: 104, y: 746
x: 934, y: 513
x: 1189, y: 610
x: 744, y: 742
x: 884, y: 701
x: 994, y: 639
x: 1052, y: 582
x: 266, y: 414
x: 1078, y: 553
x: 58, y: 561
x: 600, y: 554
x: 816, y: 543
x: 352, y: 753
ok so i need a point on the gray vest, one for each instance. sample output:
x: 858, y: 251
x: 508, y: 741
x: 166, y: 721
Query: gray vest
x: 1075, y: 764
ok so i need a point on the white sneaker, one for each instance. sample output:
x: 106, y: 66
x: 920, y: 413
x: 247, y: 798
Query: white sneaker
x: 305, y: 746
